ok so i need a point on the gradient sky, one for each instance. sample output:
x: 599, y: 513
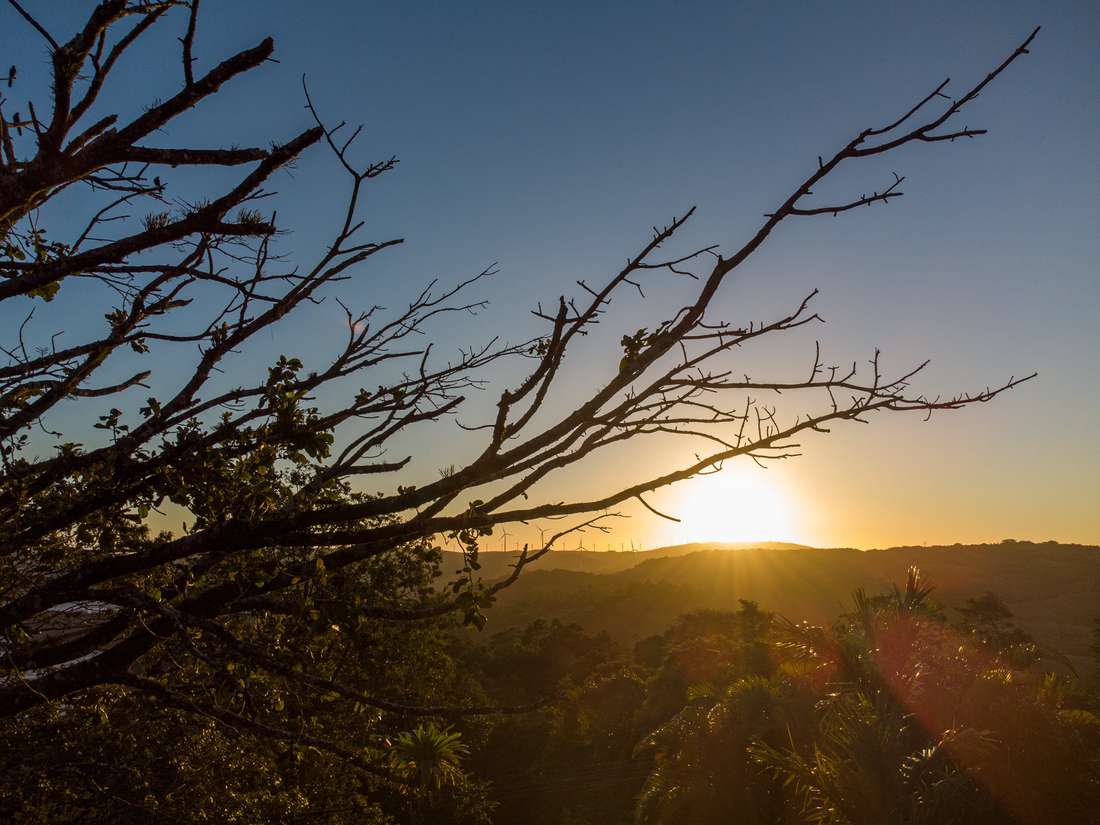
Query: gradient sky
x: 549, y: 137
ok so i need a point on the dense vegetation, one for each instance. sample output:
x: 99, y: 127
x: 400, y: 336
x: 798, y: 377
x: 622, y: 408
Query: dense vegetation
x: 901, y: 710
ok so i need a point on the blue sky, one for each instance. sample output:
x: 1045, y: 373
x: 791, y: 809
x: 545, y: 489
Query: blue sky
x: 550, y: 137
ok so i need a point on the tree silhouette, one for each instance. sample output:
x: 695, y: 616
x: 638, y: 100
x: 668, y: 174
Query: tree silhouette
x: 279, y: 525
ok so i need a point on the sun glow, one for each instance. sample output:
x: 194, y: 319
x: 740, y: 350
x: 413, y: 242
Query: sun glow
x: 736, y: 504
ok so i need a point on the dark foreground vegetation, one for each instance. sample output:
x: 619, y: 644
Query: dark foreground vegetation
x: 903, y: 709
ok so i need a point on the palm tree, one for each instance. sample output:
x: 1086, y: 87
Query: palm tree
x: 887, y: 716
x: 428, y: 758
x: 871, y: 764
x: 703, y: 773
x: 917, y: 727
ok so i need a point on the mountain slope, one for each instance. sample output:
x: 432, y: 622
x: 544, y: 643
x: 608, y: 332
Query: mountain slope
x: 1053, y: 589
x: 496, y: 564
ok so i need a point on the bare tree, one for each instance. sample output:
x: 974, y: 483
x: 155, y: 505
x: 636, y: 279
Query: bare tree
x: 89, y: 595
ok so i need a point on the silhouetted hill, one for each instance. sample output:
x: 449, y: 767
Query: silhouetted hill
x: 495, y: 564
x: 1054, y: 589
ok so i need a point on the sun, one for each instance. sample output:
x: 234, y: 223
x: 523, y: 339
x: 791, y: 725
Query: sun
x: 736, y: 504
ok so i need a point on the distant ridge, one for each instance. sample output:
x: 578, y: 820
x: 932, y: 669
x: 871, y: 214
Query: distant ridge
x: 1054, y: 589
x: 498, y: 563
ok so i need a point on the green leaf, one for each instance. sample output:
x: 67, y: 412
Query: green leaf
x: 46, y: 292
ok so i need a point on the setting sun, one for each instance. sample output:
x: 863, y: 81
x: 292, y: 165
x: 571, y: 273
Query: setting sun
x: 737, y: 504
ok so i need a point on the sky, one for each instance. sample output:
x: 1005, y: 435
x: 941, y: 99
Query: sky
x: 548, y: 138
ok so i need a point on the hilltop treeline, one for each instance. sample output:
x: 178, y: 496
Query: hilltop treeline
x: 1052, y: 589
